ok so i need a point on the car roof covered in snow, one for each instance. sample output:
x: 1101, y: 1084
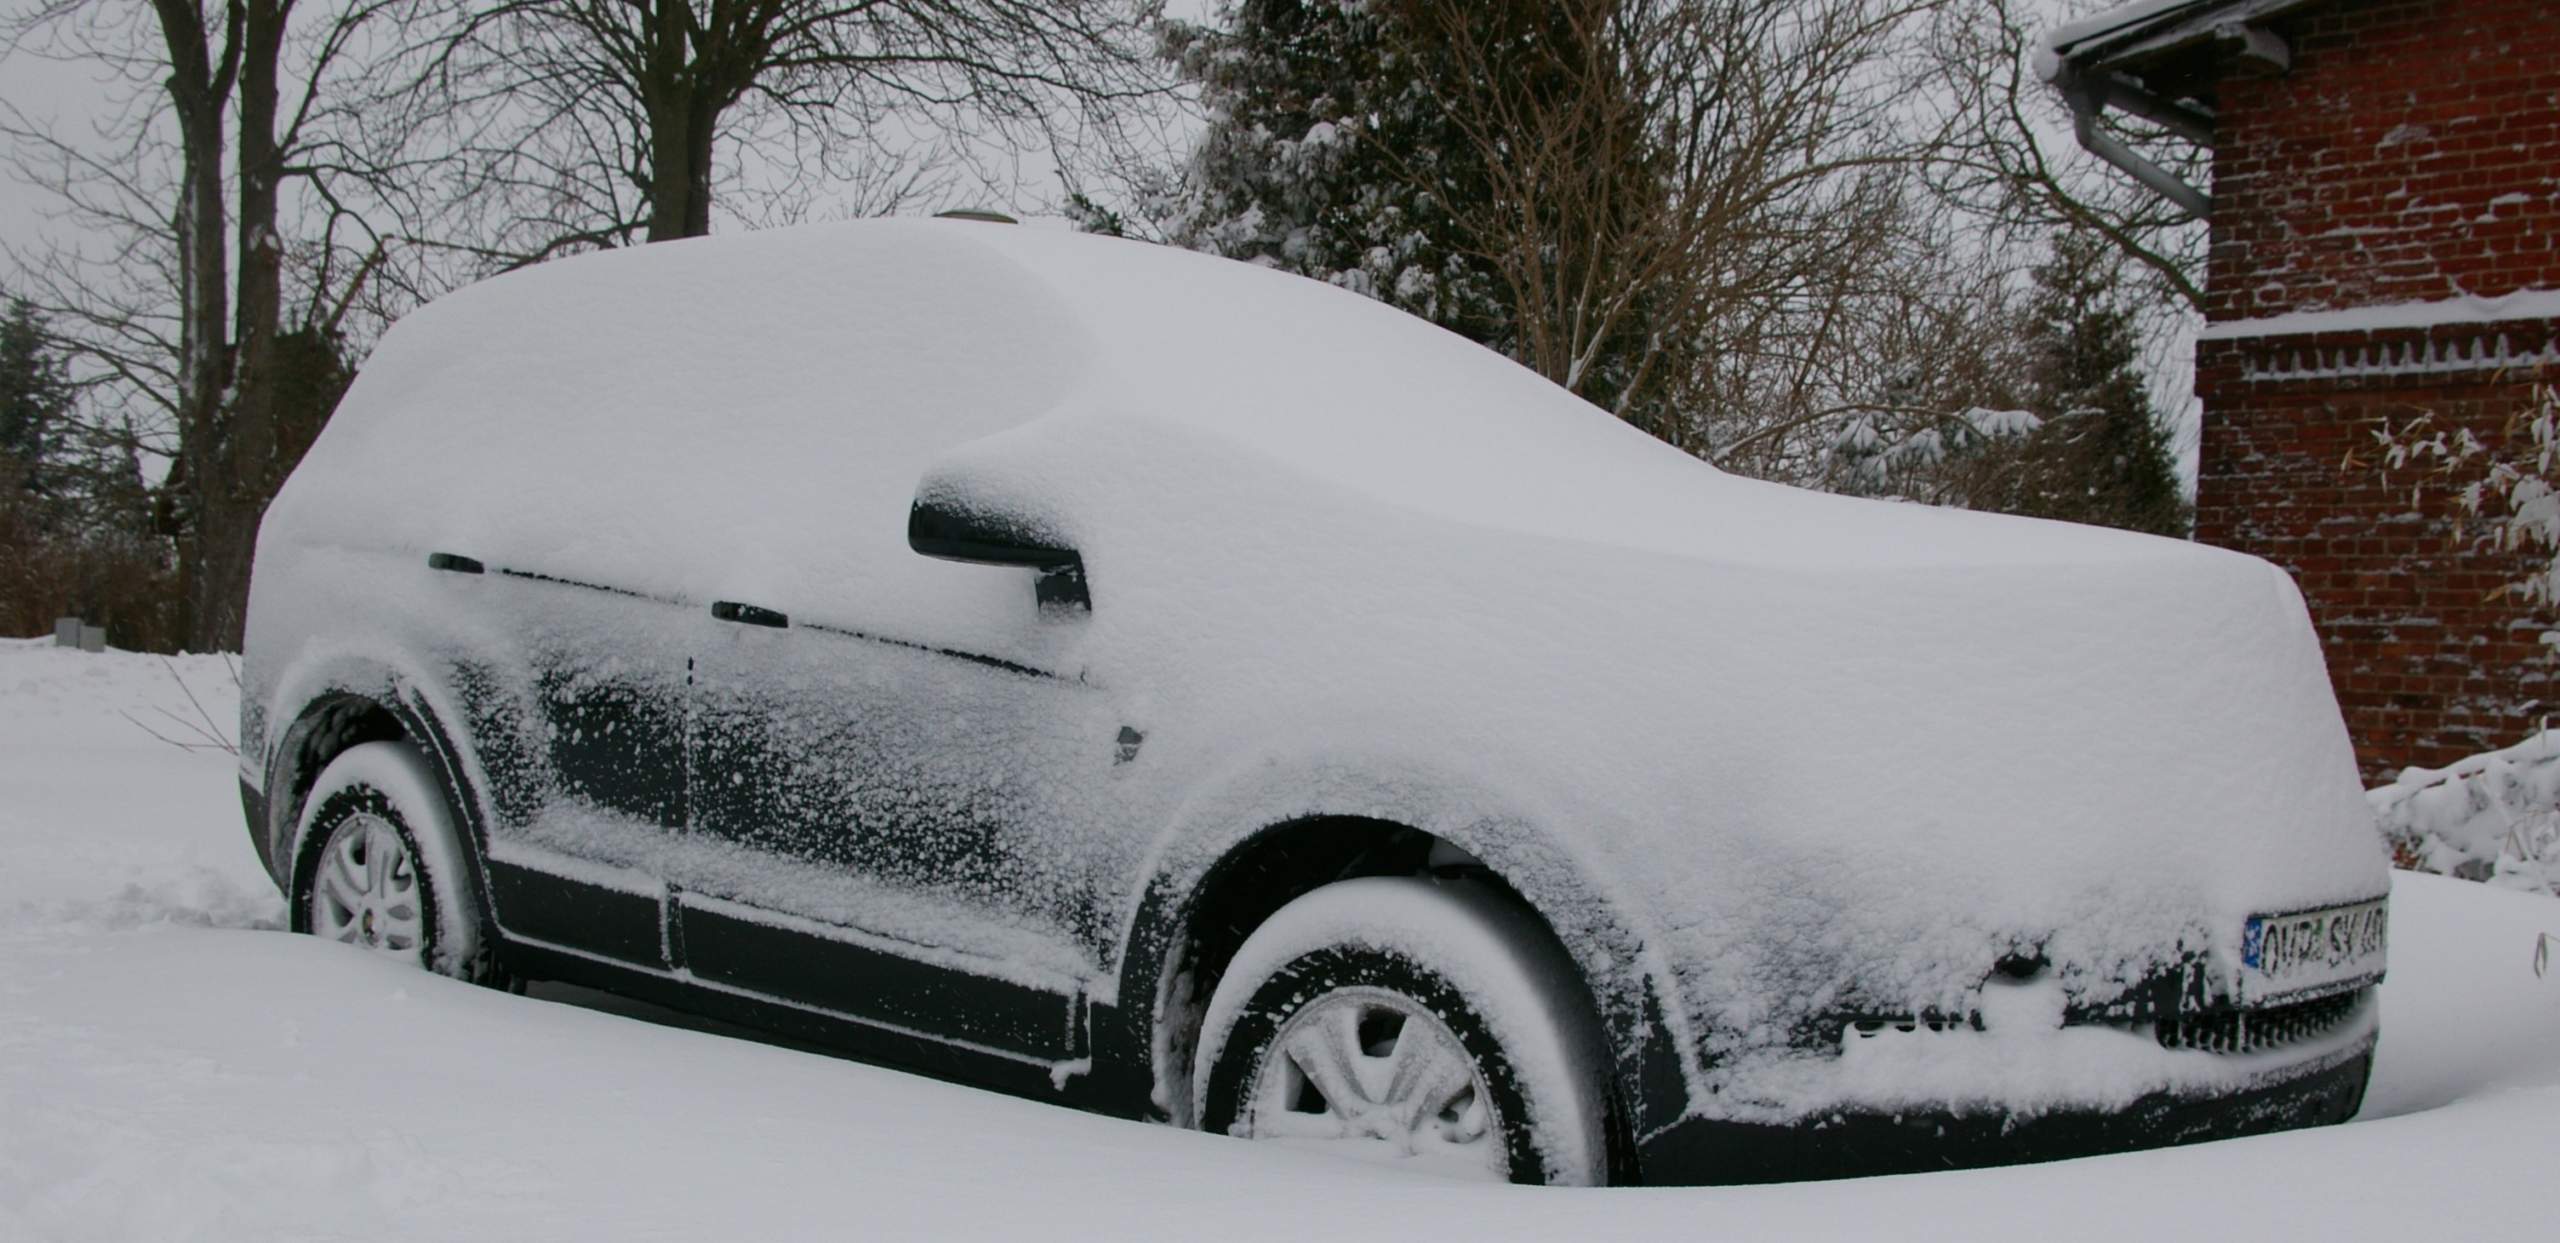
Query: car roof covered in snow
x: 822, y: 372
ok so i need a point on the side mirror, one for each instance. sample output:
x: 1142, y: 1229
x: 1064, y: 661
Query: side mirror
x: 939, y: 528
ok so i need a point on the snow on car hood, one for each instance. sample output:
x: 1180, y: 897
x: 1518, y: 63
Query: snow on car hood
x: 1829, y: 754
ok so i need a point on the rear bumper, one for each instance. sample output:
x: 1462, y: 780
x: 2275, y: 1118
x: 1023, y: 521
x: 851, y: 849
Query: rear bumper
x: 1852, y: 1144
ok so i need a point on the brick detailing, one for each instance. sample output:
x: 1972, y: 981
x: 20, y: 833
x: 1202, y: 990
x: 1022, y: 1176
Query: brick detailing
x: 2411, y: 154
x: 2364, y: 355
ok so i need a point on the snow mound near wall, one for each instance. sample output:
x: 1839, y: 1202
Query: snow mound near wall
x: 2493, y: 816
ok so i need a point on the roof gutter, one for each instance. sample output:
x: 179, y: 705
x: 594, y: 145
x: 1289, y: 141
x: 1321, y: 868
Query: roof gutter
x: 2091, y: 96
x: 2088, y: 81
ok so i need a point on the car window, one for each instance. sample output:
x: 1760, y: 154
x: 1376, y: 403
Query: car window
x: 744, y: 420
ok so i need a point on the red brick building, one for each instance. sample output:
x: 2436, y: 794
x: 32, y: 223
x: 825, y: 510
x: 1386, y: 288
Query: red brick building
x: 2385, y: 213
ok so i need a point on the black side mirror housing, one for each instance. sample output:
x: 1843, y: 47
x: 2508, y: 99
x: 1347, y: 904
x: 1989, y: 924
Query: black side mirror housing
x: 950, y: 532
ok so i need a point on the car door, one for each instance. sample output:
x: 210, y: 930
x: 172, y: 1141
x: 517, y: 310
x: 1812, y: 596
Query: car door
x: 578, y: 698
x: 898, y: 830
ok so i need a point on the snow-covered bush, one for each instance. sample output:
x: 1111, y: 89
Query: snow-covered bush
x: 2493, y: 817
x: 1885, y: 452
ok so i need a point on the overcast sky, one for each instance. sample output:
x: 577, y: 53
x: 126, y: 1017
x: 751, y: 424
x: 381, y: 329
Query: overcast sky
x: 66, y: 94
x: 72, y: 95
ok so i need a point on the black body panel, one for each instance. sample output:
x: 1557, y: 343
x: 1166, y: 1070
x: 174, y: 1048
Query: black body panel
x: 817, y: 748
x: 579, y: 722
x: 876, y: 984
x: 590, y: 917
x: 903, y: 1051
x: 798, y: 755
x: 823, y: 754
x: 1700, y: 1150
x: 618, y: 745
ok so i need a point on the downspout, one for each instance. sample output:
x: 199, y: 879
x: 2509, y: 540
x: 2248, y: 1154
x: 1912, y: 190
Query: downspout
x: 2090, y: 96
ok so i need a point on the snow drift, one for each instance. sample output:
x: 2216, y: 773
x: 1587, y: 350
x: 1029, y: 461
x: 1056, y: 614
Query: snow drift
x: 173, y: 1075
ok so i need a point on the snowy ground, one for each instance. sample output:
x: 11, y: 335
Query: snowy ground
x: 172, y: 1068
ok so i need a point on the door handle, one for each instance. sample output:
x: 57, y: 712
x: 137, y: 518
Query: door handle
x: 748, y: 614
x: 454, y: 563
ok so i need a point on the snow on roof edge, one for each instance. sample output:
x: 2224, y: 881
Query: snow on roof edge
x: 2108, y: 21
x: 2463, y: 309
x: 2054, y: 47
x: 2130, y: 27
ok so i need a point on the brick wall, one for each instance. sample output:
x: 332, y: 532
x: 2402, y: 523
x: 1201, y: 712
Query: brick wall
x: 2411, y: 154
x: 2429, y: 661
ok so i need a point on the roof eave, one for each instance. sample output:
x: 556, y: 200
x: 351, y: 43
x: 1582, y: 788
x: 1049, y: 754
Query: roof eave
x: 2126, y: 64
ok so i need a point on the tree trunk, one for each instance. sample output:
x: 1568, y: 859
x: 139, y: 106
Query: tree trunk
x: 698, y: 130
x: 199, y: 87
x: 227, y: 465
x: 233, y: 496
x: 679, y: 167
x: 681, y: 123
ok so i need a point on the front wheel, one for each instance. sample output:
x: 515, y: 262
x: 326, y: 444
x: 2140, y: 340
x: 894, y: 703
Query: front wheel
x: 381, y: 865
x: 1411, y: 1021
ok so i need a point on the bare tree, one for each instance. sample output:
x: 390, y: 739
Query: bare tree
x: 576, y: 124
x: 172, y: 282
x: 1686, y: 193
x: 1881, y: 368
x: 2006, y: 154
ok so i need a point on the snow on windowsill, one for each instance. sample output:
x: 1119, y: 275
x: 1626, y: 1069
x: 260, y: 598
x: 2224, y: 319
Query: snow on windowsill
x: 2522, y: 304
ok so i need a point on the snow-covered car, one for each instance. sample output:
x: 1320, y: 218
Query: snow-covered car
x: 1156, y: 684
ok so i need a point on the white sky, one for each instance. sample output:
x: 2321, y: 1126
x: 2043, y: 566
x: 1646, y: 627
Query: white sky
x: 67, y: 95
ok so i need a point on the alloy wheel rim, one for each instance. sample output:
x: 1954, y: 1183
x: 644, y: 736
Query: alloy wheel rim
x: 368, y: 892
x: 1372, y: 1074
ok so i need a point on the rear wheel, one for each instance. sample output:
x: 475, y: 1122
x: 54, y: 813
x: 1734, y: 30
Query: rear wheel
x: 1417, y: 1022
x: 382, y: 866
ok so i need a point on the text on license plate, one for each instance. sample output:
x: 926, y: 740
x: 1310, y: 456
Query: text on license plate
x: 2335, y: 942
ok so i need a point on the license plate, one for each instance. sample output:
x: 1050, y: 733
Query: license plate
x: 2307, y: 950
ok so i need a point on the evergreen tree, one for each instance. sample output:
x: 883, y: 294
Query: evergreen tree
x: 1327, y: 155
x: 1354, y: 141
x: 2101, y: 455
x: 35, y: 401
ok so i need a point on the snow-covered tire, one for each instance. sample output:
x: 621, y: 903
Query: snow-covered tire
x: 1442, y: 960
x: 417, y: 902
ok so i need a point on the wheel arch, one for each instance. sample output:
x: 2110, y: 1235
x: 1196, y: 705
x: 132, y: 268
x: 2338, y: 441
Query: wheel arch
x: 351, y: 704
x: 1195, y: 913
